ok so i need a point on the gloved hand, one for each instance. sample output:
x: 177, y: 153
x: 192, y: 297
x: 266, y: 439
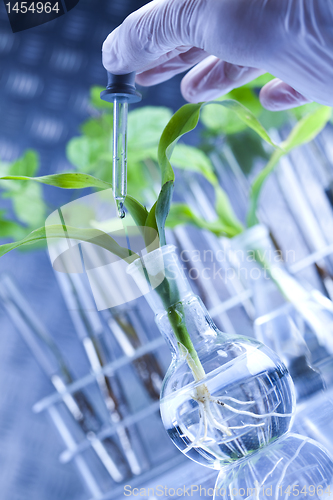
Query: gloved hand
x: 230, y: 42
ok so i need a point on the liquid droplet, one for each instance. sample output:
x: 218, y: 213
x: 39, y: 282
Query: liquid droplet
x: 121, y: 211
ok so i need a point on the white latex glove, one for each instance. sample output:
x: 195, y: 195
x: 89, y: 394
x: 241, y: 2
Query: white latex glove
x: 231, y: 42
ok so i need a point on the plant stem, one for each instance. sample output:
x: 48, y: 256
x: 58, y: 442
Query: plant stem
x: 176, y: 317
x: 169, y: 294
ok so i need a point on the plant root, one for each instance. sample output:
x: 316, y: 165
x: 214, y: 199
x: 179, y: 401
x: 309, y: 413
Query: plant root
x: 207, y: 420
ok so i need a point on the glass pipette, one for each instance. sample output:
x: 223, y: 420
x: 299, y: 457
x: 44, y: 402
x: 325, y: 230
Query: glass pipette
x: 120, y: 91
x: 119, y: 159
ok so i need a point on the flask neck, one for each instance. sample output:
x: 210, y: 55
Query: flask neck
x: 179, y: 313
x: 160, y: 278
x: 191, y: 315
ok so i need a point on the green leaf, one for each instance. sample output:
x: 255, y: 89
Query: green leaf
x: 248, y: 118
x: 94, y: 236
x: 225, y: 211
x: 84, y: 152
x: 70, y: 180
x: 183, y: 121
x: 162, y: 209
x: 181, y: 214
x: 307, y: 128
x: 274, y: 120
x: 139, y: 181
x: 300, y: 111
x: 96, y: 101
x: 11, y: 229
x: 26, y: 165
x: 227, y: 121
x: 186, y: 119
x: 29, y: 205
x: 151, y: 231
x: 93, y: 128
x: 258, y: 184
x: 136, y: 155
x: 145, y: 126
x: 304, y: 131
x: 193, y: 159
x: 137, y: 211
x: 151, y: 218
x: 258, y: 82
x: 27, y: 199
x: 247, y: 147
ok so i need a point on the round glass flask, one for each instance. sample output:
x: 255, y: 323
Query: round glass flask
x: 224, y: 396
x: 294, y: 466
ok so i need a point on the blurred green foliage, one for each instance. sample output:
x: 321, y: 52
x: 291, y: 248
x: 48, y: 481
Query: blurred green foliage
x: 91, y: 152
x: 26, y: 198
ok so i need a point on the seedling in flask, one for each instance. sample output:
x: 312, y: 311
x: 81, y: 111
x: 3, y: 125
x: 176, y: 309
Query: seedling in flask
x: 224, y: 396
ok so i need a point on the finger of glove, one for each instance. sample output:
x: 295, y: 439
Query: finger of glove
x: 278, y: 95
x: 149, y: 36
x: 171, y: 67
x: 212, y: 78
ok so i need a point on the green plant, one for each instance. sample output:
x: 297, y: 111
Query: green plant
x: 226, y: 224
x: 91, y: 154
x: 182, y: 122
x: 226, y: 128
x: 304, y: 131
